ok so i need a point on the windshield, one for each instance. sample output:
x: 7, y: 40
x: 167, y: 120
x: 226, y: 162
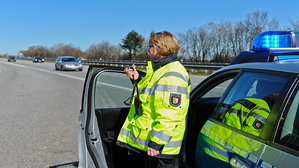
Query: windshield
x: 69, y: 60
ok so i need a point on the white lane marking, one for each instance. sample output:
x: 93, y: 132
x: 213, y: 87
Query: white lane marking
x: 45, y: 71
x: 13, y: 64
x: 57, y: 73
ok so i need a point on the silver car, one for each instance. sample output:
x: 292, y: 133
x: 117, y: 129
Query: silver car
x: 68, y: 63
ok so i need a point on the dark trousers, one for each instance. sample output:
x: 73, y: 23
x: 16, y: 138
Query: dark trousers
x: 153, y: 162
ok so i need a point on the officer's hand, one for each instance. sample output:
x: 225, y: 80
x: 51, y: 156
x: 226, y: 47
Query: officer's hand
x: 131, y: 72
x: 152, y: 152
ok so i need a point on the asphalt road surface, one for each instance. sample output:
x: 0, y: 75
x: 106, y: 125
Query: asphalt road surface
x: 39, y: 110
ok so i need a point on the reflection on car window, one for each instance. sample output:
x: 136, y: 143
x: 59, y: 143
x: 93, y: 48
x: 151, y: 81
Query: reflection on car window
x: 69, y: 60
x: 250, y: 101
x: 112, y: 89
x: 289, y: 127
x: 218, y: 90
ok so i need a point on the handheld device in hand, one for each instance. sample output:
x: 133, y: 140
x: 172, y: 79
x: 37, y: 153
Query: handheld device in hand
x: 130, y: 67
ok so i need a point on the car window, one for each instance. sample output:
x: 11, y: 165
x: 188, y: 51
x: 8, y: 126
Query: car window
x: 112, y: 89
x: 69, y: 60
x: 289, y: 126
x: 250, y: 101
x: 218, y: 90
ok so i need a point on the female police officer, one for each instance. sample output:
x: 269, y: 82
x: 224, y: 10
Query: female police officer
x: 163, y: 100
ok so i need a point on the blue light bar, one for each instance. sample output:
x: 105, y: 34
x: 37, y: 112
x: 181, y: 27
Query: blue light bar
x: 272, y: 39
x: 285, y: 57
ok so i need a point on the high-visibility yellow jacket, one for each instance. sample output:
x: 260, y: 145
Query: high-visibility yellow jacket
x: 164, y: 94
x: 249, y: 115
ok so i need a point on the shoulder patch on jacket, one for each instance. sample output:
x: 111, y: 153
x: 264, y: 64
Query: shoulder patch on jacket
x: 175, y: 99
x: 258, y: 124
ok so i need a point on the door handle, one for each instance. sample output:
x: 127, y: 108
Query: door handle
x: 236, y: 163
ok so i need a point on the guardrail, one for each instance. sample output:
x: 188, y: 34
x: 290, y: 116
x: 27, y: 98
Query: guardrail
x: 187, y: 65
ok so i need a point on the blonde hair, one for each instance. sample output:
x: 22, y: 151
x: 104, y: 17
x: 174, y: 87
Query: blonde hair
x: 165, y: 43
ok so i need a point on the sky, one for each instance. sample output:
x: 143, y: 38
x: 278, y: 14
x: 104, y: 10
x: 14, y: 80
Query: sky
x: 82, y: 23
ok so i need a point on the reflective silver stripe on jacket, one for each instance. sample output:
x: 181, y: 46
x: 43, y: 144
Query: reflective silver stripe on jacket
x: 174, y: 144
x: 247, y: 114
x: 161, y: 135
x: 171, y: 144
x: 171, y: 88
x: 176, y: 74
x: 133, y: 138
x: 262, y: 108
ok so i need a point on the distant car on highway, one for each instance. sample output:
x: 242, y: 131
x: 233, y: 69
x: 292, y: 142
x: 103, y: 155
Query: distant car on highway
x: 13, y: 59
x: 80, y: 59
x: 68, y: 63
x: 37, y: 59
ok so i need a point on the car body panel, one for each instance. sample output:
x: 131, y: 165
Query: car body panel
x: 274, y: 157
x: 233, y: 149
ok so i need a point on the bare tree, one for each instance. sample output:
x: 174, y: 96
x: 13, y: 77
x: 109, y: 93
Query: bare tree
x: 104, y: 50
x: 273, y: 24
x: 294, y: 24
x: 143, y: 53
x: 195, y: 43
x: 256, y: 23
x: 206, y: 40
x: 219, y: 43
x: 65, y: 50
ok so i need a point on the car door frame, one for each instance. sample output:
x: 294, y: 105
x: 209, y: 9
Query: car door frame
x: 91, y: 151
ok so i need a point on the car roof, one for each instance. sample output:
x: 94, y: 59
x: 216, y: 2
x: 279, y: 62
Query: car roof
x: 291, y: 65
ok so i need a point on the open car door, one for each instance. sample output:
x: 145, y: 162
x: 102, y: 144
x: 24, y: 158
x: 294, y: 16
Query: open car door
x: 102, y: 115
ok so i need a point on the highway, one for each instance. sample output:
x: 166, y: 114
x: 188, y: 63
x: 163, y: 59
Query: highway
x: 39, y: 110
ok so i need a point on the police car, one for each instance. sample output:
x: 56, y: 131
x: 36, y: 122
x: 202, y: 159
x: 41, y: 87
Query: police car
x: 270, y: 139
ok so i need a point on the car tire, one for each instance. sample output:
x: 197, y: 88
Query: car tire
x: 61, y: 68
x: 80, y: 69
x: 56, y: 67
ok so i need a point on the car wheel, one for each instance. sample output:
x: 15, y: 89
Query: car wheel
x: 61, y: 68
x: 56, y: 67
x: 80, y: 69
